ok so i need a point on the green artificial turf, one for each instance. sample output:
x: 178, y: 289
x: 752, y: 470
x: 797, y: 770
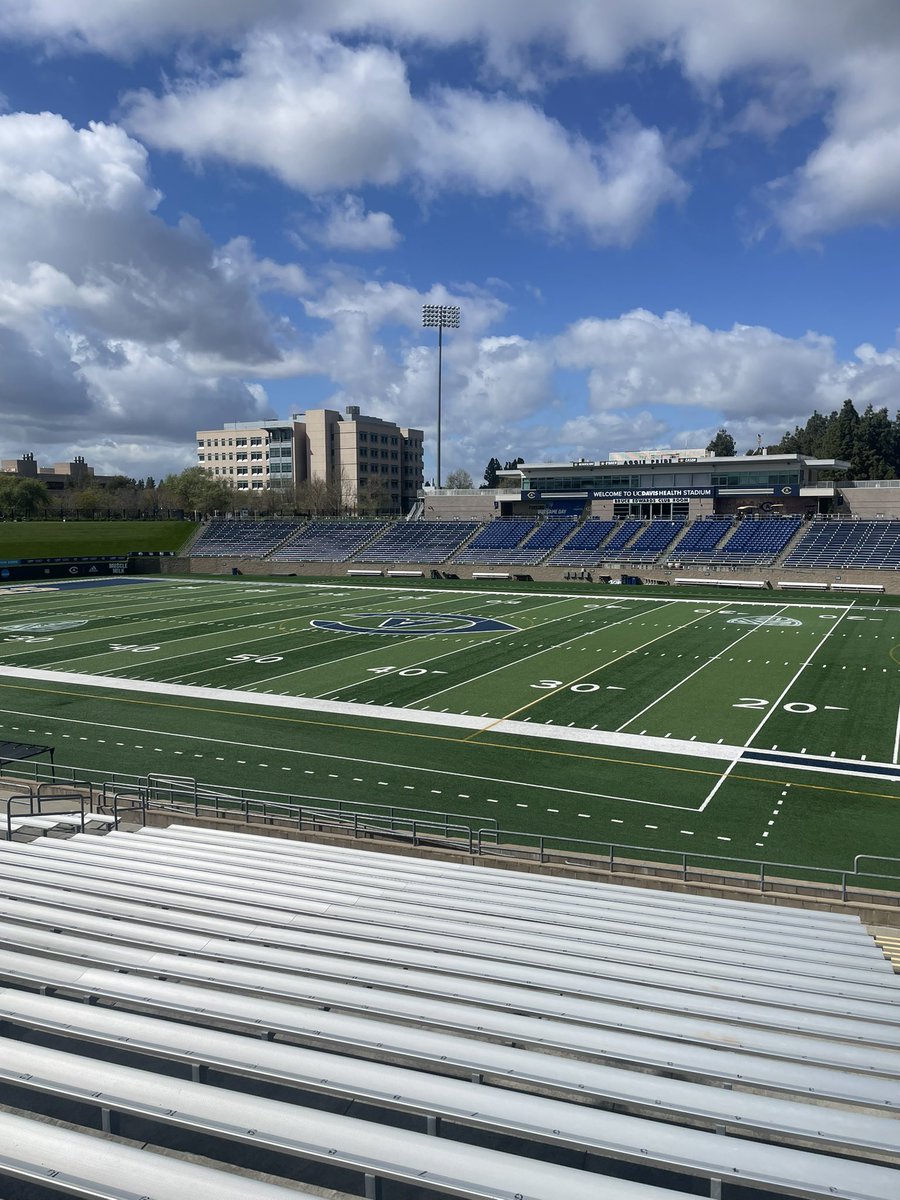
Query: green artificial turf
x: 818, y: 679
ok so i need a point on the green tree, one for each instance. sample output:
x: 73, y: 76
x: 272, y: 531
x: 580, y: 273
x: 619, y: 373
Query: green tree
x: 490, y: 473
x: 22, y: 499
x: 196, y: 491
x: 722, y: 445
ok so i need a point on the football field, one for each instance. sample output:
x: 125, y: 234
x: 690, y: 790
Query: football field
x: 750, y: 727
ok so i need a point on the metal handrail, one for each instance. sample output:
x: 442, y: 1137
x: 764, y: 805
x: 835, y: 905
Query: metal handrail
x: 684, y: 860
x: 485, y: 839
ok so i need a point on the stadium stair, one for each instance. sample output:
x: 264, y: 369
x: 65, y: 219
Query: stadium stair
x: 792, y: 544
x: 888, y: 941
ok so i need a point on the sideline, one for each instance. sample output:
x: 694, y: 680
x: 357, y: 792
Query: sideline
x: 411, y: 716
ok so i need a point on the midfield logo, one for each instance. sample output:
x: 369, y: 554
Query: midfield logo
x: 779, y: 622
x: 415, y: 623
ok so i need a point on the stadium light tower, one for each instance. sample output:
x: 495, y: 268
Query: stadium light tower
x: 440, y: 317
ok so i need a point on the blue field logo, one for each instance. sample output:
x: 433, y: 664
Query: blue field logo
x: 415, y: 623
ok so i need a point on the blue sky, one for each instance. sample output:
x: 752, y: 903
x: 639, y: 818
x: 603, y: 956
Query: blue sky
x: 657, y: 216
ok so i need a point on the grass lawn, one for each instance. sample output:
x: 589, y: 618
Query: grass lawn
x: 58, y: 539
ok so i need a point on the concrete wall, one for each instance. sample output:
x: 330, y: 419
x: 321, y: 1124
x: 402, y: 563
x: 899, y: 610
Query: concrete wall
x: 654, y: 574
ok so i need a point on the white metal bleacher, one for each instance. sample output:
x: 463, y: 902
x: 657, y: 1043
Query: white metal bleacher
x: 78, y: 1164
x: 610, y: 995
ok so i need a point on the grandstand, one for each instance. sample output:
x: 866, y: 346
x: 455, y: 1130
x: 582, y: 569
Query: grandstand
x: 494, y: 544
x: 869, y: 545
x: 653, y: 541
x: 754, y: 542
x: 247, y: 539
x: 328, y: 541
x: 418, y: 542
x: 563, y: 1039
x: 583, y: 548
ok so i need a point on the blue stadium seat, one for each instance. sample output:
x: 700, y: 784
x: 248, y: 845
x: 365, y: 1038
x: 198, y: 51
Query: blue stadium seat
x: 583, y: 548
x: 487, y: 549
x: 753, y: 543
x: 654, y: 541
x: 418, y: 542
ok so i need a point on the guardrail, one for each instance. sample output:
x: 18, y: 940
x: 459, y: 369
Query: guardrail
x: 684, y: 865
x: 474, y: 834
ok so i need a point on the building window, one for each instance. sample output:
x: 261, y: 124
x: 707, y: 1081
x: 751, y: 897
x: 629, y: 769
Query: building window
x: 393, y: 441
x: 363, y: 437
x: 240, y: 441
x: 256, y: 441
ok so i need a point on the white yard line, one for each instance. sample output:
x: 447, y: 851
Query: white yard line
x: 594, y: 670
x: 774, y: 706
x: 897, y: 737
x: 407, y: 716
x: 702, y: 667
x: 584, y: 634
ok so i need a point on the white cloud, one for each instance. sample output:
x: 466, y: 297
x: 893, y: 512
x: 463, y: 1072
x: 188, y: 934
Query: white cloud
x: 114, y: 324
x: 321, y: 116
x: 347, y: 226
x: 842, y: 59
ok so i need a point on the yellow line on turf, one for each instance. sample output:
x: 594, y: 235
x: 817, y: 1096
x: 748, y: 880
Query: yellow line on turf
x: 594, y: 670
x: 430, y: 737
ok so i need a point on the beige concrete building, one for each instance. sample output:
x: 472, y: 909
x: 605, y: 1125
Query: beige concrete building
x: 371, y: 464
x: 71, y: 474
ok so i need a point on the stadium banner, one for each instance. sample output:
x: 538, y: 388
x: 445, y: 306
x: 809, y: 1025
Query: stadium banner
x: 62, y: 568
x: 685, y: 493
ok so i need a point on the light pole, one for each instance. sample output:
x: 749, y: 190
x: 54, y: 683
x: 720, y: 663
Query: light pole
x: 440, y: 317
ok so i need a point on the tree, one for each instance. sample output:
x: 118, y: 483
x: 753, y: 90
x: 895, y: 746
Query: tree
x: 195, y: 490
x: 460, y: 479
x: 22, y: 498
x: 490, y: 473
x: 513, y: 464
x: 722, y: 445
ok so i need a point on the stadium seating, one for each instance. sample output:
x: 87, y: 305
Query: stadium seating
x: 653, y: 541
x: 541, y: 540
x: 546, y: 1012
x: 620, y: 539
x: 703, y: 536
x: 496, y: 539
x: 583, y: 548
x: 328, y: 541
x: 870, y: 545
x: 244, y: 539
x: 756, y: 543
x: 419, y: 542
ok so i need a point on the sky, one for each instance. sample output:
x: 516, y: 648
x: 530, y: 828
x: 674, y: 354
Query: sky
x: 657, y: 217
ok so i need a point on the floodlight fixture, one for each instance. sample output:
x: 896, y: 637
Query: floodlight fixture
x: 440, y: 317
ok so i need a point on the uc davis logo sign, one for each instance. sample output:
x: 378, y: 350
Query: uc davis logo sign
x: 415, y: 623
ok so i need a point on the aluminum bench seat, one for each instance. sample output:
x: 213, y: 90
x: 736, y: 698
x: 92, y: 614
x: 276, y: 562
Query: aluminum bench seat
x: 382, y: 1151
x: 512, y: 880
x: 499, y: 1011
x: 417, y: 1090
x: 214, y: 914
x: 78, y: 858
x: 441, y: 1164
x: 38, y: 903
x: 78, y: 1164
x: 465, y: 978
x: 439, y: 1048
